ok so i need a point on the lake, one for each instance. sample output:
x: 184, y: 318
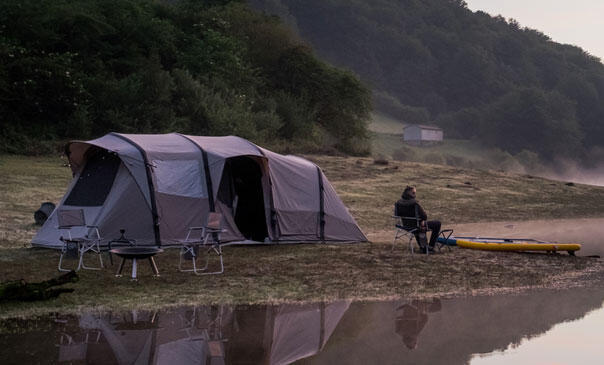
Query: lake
x: 545, y: 326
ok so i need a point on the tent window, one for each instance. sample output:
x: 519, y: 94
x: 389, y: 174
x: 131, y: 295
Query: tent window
x: 180, y: 177
x: 95, y: 181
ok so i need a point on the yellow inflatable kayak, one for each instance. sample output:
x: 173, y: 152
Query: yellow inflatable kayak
x: 512, y: 244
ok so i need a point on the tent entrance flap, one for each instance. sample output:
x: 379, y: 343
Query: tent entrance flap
x: 241, y: 189
x: 95, y: 180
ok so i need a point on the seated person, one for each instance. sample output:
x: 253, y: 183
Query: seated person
x: 407, y: 206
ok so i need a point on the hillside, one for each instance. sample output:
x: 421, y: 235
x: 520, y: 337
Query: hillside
x: 479, y: 77
x: 79, y: 69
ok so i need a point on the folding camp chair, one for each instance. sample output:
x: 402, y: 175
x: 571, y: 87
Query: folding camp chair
x: 210, y: 238
x: 409, y: 227
x: 79, y: 242
x: 406, y: 227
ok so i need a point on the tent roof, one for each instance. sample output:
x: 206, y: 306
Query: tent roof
x: 170, y: 144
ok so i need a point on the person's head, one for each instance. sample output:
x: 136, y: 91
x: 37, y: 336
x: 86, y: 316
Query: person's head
x: 410, y: 341
x: 409, y: 192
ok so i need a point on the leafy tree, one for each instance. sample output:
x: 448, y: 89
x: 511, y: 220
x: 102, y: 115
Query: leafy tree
x: 462, y: 68
x: 79, y: 69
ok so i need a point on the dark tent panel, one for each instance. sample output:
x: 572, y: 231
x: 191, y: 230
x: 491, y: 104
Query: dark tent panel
x: 95, y: 181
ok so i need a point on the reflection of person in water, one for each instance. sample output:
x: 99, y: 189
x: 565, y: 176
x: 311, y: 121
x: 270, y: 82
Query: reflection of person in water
x: 412, y: 317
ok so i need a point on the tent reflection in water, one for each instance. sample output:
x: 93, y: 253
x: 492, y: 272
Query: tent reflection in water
x: 156, y: 186
x: 214, y: 335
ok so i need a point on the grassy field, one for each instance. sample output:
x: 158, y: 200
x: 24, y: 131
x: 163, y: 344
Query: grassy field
x: 298, y: 273
x: 381, y: 123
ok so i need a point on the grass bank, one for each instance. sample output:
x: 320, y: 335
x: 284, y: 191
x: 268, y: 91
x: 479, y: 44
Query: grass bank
x: 298, y: 273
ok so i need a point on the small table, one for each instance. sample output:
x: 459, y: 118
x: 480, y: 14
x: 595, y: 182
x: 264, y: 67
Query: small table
x: 134, y: 253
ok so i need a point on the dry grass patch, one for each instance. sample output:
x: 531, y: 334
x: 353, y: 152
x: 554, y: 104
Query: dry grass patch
x: 299, y: 273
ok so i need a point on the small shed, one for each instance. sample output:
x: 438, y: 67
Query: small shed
x: 422, y: 134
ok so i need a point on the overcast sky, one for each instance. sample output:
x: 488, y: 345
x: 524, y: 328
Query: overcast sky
x: 577, y: 22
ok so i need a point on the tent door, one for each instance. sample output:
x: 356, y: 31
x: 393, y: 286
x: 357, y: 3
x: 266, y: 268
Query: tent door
x: 241, y: 188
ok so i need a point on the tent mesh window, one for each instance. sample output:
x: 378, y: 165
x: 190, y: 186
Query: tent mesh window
x: 95, y: 181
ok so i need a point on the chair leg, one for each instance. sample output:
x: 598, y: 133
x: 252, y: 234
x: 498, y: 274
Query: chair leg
x: 80, y: 261
x: 218, y: 250
x: 183, y: 251
x: 398, y: 234
x: 61, y: 262
x: 83, y: 251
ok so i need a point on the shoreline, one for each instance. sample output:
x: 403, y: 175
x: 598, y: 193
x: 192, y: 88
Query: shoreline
x: 386, y: 275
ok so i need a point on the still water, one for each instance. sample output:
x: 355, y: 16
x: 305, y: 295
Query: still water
x: 562, y: 327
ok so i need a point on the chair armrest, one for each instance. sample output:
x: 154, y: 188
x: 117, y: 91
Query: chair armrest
x: 96, y: 230
x: 410, y: 218
x: 191, y: 230
x: 66, y: 229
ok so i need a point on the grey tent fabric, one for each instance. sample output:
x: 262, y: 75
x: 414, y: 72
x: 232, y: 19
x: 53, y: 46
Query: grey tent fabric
x: 302, y: 331
x: 169, y: 182
x: 276, y: 335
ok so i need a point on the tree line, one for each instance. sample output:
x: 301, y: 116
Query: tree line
x: 477, y: 76
x: 79, y: 69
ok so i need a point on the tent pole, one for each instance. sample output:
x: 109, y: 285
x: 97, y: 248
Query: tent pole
x: 321, y: 207
x: 151, y: 187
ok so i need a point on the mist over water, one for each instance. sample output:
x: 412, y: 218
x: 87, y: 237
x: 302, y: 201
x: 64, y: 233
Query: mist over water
x: 571, y: 171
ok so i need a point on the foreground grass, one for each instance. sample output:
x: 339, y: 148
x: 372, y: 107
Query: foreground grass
x: 297, y: 273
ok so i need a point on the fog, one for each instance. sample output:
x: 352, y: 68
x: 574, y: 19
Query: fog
x: 570, y: 171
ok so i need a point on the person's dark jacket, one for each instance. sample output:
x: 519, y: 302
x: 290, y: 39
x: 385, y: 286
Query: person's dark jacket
x: 406, y: 208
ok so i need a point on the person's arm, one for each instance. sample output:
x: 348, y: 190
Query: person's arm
x: 421, y: 212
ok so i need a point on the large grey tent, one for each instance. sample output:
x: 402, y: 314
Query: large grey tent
x: 156, y: 186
